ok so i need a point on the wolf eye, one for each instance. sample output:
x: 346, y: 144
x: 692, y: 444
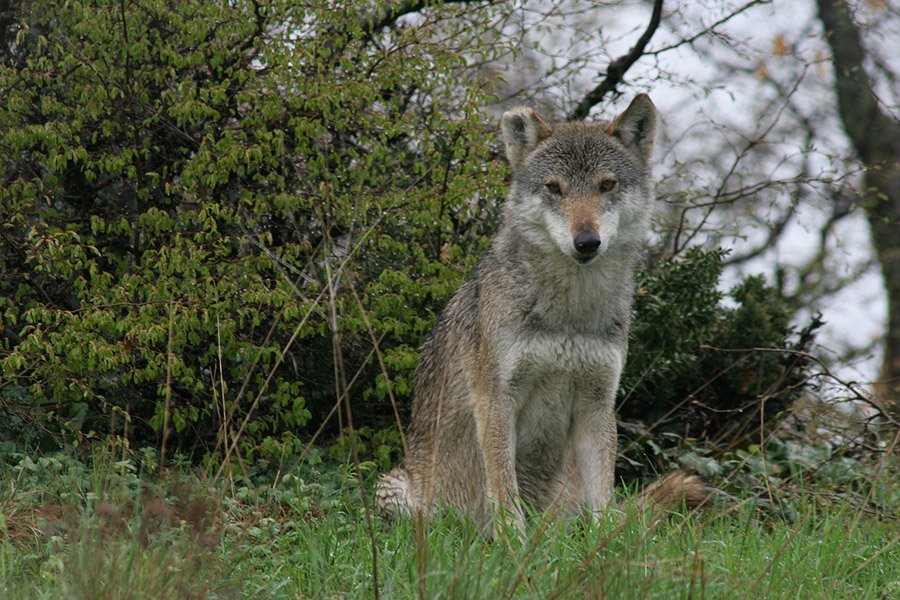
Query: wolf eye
x: 608, y: 185
x: 553, y: 188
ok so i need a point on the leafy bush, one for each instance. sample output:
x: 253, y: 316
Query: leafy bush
x: 196, y: 195
x: 721, y: 369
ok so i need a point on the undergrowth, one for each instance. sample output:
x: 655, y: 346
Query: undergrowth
x: 112, y: 526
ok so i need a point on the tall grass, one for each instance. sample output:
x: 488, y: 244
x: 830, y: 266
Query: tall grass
x: 110, y: 530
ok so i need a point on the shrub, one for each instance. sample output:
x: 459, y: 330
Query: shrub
x: 189, y: 189
x: 705, y: 365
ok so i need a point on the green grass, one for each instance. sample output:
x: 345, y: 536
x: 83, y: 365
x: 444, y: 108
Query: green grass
x: 108, y: 531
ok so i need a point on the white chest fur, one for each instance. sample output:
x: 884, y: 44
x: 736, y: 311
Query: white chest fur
x: 533, y: 356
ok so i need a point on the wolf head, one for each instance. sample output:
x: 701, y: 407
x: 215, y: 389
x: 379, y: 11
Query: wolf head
x: 582, y: 188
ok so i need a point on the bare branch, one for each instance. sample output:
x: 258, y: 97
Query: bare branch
x: 772, y: 238
x: 859, y: 394
x: 617, y: 68
x: 707, y: 30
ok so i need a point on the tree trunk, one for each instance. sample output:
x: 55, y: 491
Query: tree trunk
x: 875, y: 135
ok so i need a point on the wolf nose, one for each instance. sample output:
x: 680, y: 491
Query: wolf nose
x: 587, y: 242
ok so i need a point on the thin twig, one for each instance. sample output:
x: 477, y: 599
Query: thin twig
x: 168, y: 407
x: 340, y: 380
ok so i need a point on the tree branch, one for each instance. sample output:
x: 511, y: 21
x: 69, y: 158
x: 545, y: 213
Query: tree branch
x: 708, y: 29
x: 617, y: 68
x: 386, y: 16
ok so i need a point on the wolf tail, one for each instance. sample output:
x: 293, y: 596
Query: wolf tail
x: 392, y: 494
x: 675, y: 492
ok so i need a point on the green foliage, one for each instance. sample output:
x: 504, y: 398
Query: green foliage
x: 705, y: 365
x: 187, y: 189
x: 787, y: 473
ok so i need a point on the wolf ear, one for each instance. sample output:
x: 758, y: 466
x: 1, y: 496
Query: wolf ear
x: 523, y: 129
x: 636, y: 127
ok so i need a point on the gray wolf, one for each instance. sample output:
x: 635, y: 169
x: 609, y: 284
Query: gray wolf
x: 514, y: 400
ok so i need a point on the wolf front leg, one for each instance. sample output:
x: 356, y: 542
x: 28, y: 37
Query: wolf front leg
x: 495, y: 420
x: 594, y: 446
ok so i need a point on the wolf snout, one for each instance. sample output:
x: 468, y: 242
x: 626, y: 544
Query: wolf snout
x: 586, y: 244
